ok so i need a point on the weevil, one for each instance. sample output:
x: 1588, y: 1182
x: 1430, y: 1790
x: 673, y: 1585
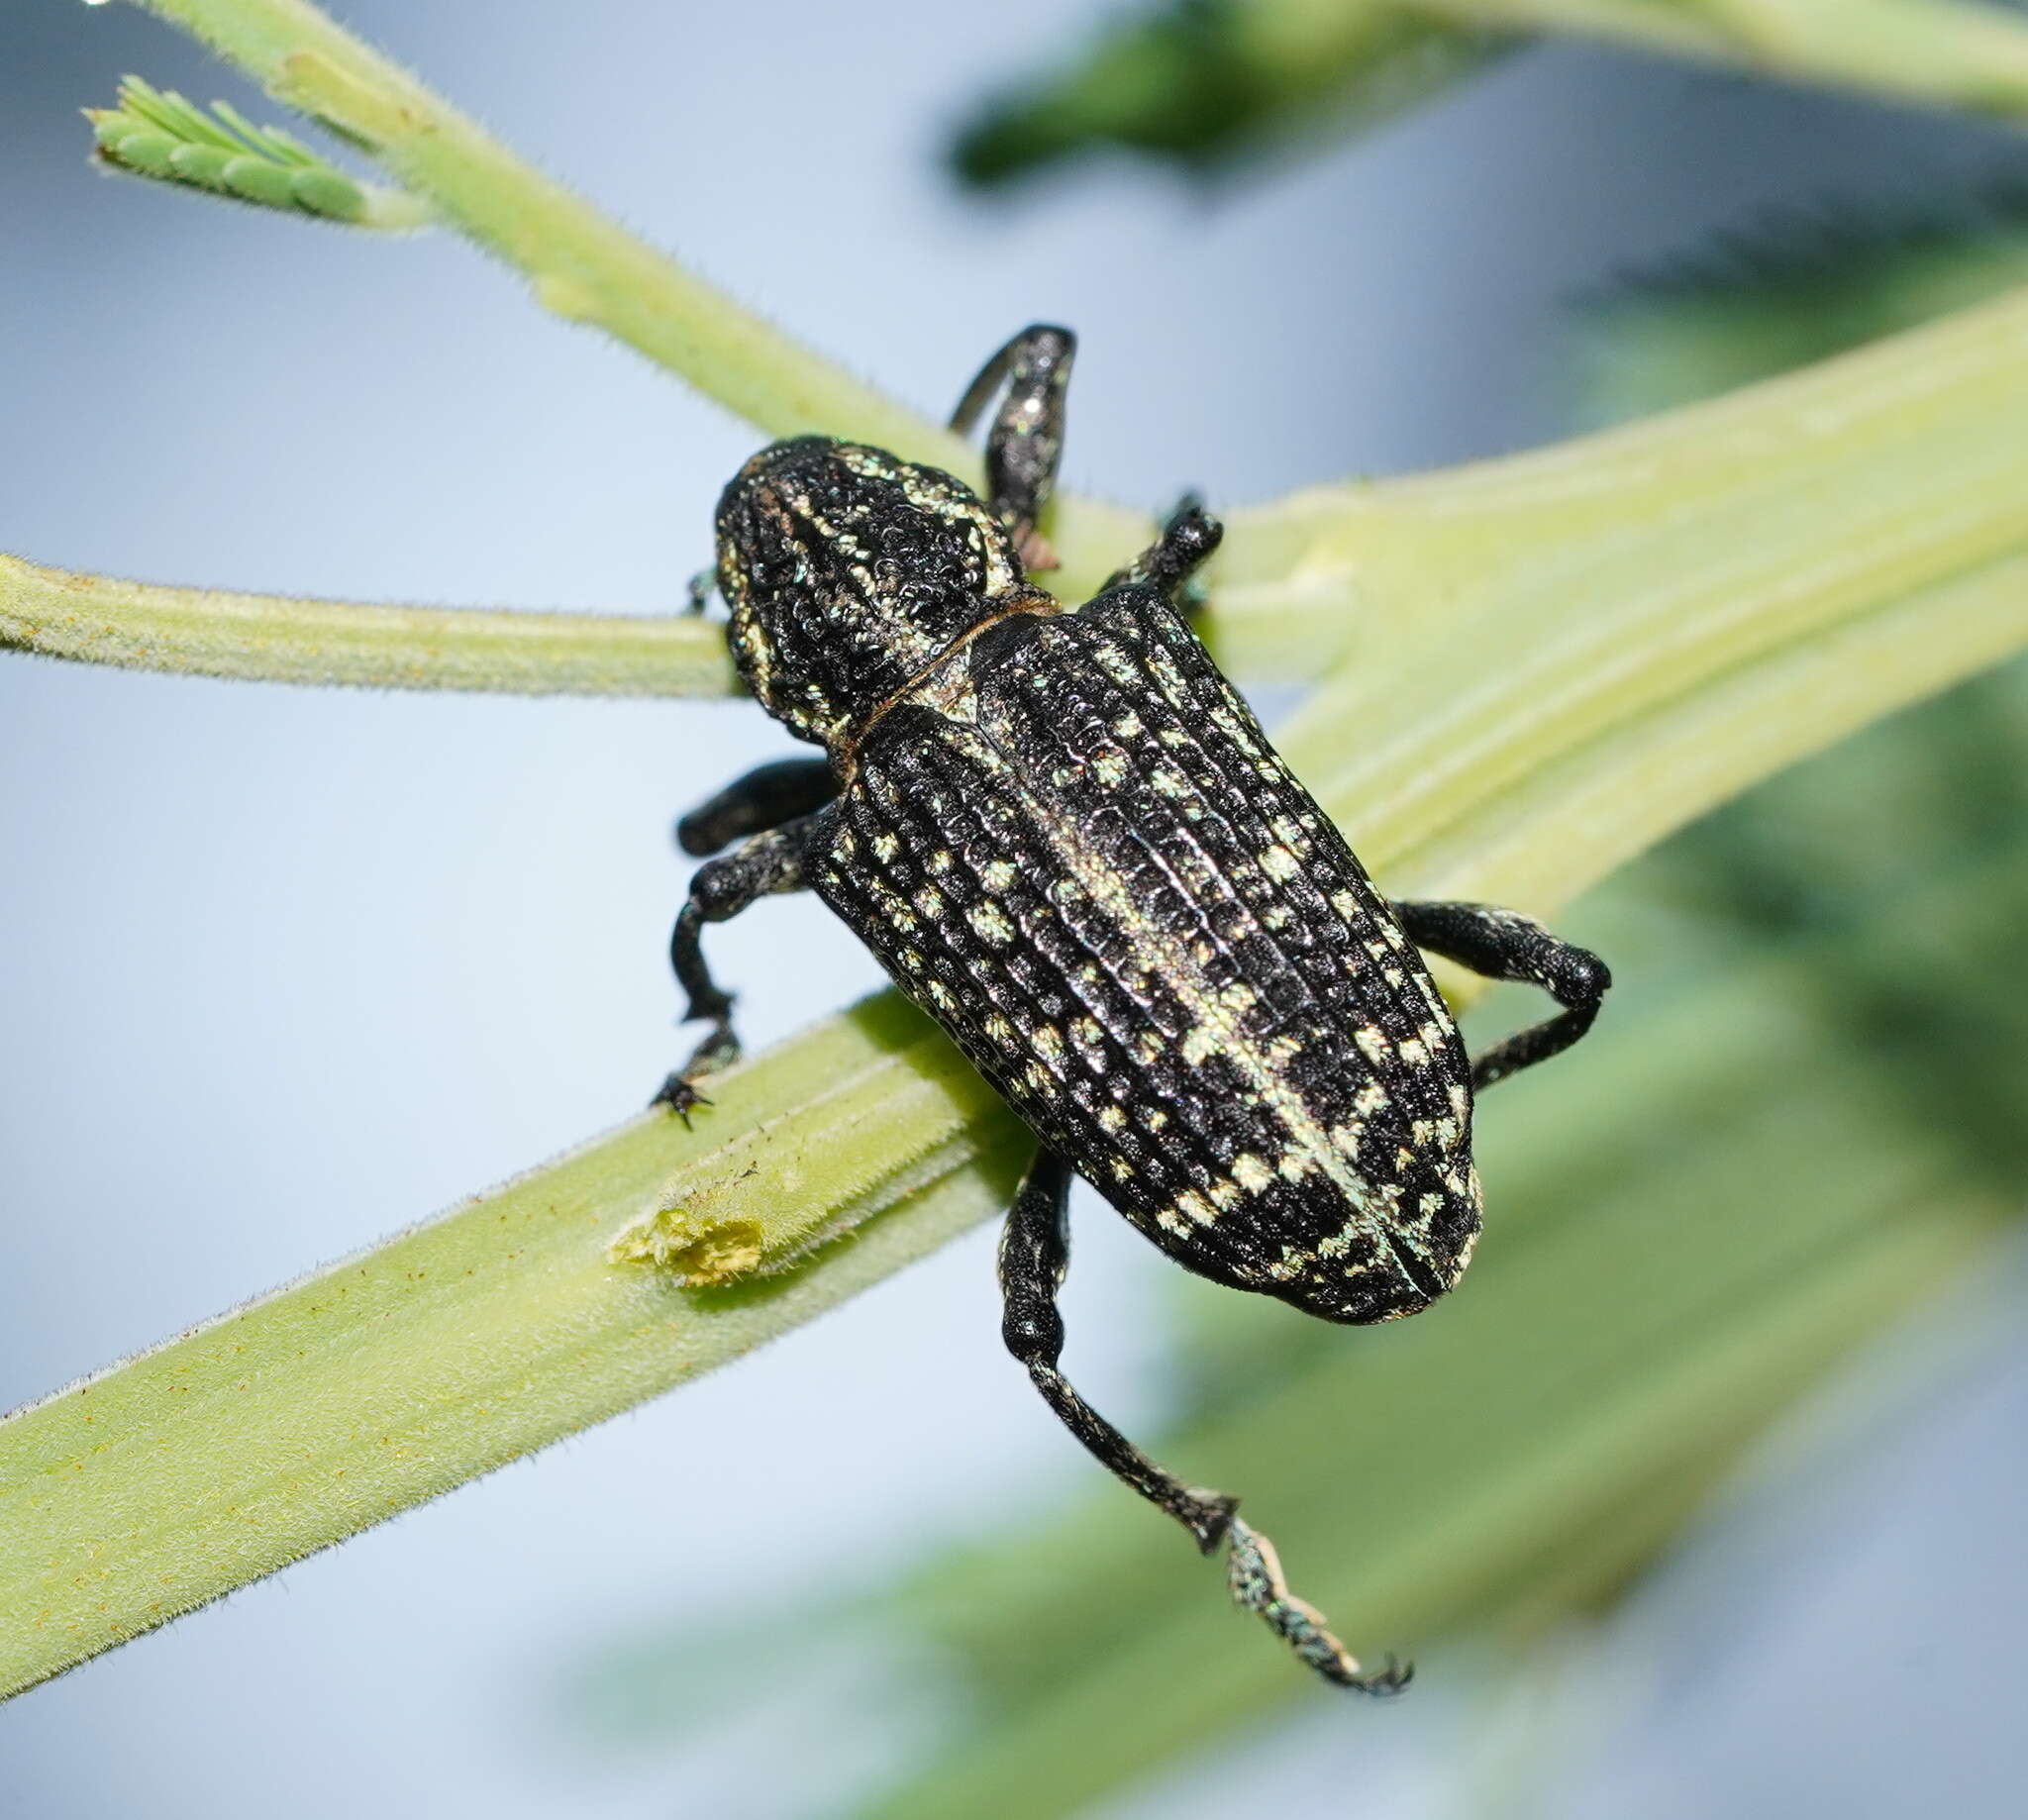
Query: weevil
x: 1066, y: 836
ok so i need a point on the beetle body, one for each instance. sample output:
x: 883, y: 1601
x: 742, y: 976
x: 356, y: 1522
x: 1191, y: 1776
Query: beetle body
x: 1066, y: 836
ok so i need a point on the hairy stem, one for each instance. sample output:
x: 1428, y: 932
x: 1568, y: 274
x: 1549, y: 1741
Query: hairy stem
x: 206, y: 631
x: 581, y: 265
x: 460, y: 1344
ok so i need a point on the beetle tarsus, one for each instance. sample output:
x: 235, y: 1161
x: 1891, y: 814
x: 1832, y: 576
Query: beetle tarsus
x: 680, y: 1094
x: 1259, y: 1586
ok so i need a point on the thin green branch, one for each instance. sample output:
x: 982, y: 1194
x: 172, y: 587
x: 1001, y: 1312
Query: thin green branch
x: 132, y: 625
x: 579, y: 265
x: 1753, y: 519
x: 464, y: 1343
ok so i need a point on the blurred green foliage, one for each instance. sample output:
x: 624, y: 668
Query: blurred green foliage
x: 1794, y: 287
x: 1203, y: 83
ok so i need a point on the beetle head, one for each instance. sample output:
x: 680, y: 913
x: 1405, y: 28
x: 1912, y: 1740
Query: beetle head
x: 848, y: 570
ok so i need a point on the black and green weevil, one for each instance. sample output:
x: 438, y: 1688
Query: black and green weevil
x: 1066, y: 836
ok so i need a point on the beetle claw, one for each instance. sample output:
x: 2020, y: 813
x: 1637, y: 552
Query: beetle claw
x: 680, y: 1098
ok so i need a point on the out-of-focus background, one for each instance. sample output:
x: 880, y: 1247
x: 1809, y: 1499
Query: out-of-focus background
x: 281, y: 969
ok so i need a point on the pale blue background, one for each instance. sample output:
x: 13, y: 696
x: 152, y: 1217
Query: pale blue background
x: 280, y: 970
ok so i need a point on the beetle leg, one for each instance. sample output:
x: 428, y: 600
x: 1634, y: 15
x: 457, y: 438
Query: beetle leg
x: 767, y: 797
x: 698, y: 590
x: 1168, y: 564
x: 720, y: 889
x: 1035, y: 1252
x: 1026, y: 442
x: 1506, y: 945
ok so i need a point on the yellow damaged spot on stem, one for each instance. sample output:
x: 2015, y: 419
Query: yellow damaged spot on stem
x: 693, y: 1249
x: 779, y: 1194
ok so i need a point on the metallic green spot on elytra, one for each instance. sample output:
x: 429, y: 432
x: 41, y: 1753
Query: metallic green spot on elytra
x: 991, y: 923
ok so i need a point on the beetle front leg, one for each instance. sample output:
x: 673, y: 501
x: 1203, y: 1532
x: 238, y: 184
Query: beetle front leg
x: 1025, y: 445
x: 768, y: 864
x: 1184, y: 546
x: 1035, y: 1252
x: 1506, y: 945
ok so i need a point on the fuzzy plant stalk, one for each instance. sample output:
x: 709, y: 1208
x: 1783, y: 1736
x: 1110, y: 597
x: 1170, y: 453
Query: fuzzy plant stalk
x: 1527, y: 671
x: 579, y: 265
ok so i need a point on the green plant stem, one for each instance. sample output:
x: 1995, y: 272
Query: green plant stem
x: 1801, y: 463
x: 468, y: 1342
x: 206, y: 631
x: 581, y: 266
x: 1620, y: 634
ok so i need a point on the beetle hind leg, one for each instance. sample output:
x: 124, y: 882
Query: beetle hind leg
x: 1506, y: 945
x: 1035, y: 1252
